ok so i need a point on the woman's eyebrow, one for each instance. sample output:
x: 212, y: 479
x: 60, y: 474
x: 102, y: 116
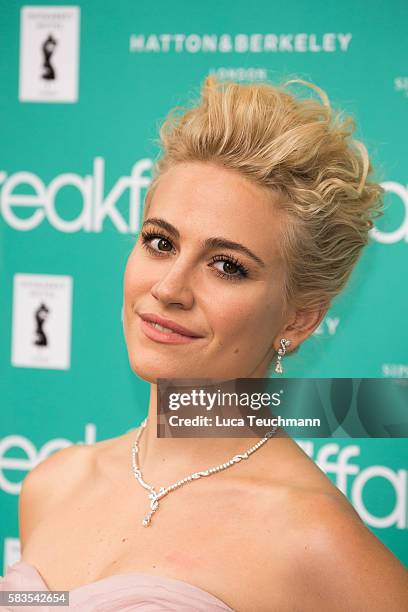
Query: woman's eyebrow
x: 210, y: 243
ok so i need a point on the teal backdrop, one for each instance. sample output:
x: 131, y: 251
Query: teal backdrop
x: 84, y: 89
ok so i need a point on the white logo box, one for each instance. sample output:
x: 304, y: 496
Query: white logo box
x: 37, y: 24
x: 30, y: 293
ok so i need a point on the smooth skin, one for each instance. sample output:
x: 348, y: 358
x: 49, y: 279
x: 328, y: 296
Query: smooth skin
x: 269, y: 533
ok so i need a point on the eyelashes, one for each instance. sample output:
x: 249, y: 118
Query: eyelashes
x: 148, y: 236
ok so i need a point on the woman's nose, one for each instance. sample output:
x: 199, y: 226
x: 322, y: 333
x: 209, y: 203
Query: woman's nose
x: 174, y: 286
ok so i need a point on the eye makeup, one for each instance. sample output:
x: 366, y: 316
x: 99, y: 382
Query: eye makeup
x: 148, y: 236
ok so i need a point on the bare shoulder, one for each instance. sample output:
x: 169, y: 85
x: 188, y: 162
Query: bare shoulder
x: 321, y: 547
x: 337, y: 563
x: 52, y: 481
x: 303, y: 481
x: 44, y: 485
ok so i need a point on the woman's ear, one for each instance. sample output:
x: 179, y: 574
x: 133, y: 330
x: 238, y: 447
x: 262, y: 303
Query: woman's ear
x: 300, y: 326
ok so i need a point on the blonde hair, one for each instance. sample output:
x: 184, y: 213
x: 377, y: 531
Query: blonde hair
x: 301, y: 150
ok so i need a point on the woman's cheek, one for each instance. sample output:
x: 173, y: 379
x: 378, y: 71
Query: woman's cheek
x: 137, y: 274
x: 237, y: 328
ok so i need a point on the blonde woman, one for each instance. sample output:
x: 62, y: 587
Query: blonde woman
x: 258, y: 211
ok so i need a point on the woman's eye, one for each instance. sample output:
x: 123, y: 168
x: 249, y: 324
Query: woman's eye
x: 227, y: 267
x: 156, y: 243
x: 230, y: 269
x: 162, y: 244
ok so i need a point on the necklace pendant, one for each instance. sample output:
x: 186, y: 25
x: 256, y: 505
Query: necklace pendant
x: 146, y: 520
x: 153, y: 500
x: 154, y: 504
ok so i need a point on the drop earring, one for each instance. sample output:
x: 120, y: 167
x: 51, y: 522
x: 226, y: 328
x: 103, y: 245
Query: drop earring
x: 281, y: 351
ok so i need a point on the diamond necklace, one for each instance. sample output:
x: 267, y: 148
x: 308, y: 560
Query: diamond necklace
x: 156, y: 496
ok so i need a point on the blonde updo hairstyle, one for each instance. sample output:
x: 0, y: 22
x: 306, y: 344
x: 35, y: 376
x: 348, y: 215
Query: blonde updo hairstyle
x: 302, y: 151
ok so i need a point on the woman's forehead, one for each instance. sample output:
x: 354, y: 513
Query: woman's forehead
x: 216, y: 201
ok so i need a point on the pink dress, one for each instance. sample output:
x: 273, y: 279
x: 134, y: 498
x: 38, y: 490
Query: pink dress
x: 133, y: 591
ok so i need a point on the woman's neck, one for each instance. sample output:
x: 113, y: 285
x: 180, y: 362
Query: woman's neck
x: 170, y: 459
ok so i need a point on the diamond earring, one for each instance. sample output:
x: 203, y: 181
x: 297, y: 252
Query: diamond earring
x: 281, y: 351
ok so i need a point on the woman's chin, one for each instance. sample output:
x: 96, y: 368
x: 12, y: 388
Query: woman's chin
x: 150, y: 372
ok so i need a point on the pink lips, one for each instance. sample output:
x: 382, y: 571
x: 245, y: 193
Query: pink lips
x: 179, y: 335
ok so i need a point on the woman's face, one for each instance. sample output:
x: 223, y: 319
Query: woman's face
x: 232, y: 300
